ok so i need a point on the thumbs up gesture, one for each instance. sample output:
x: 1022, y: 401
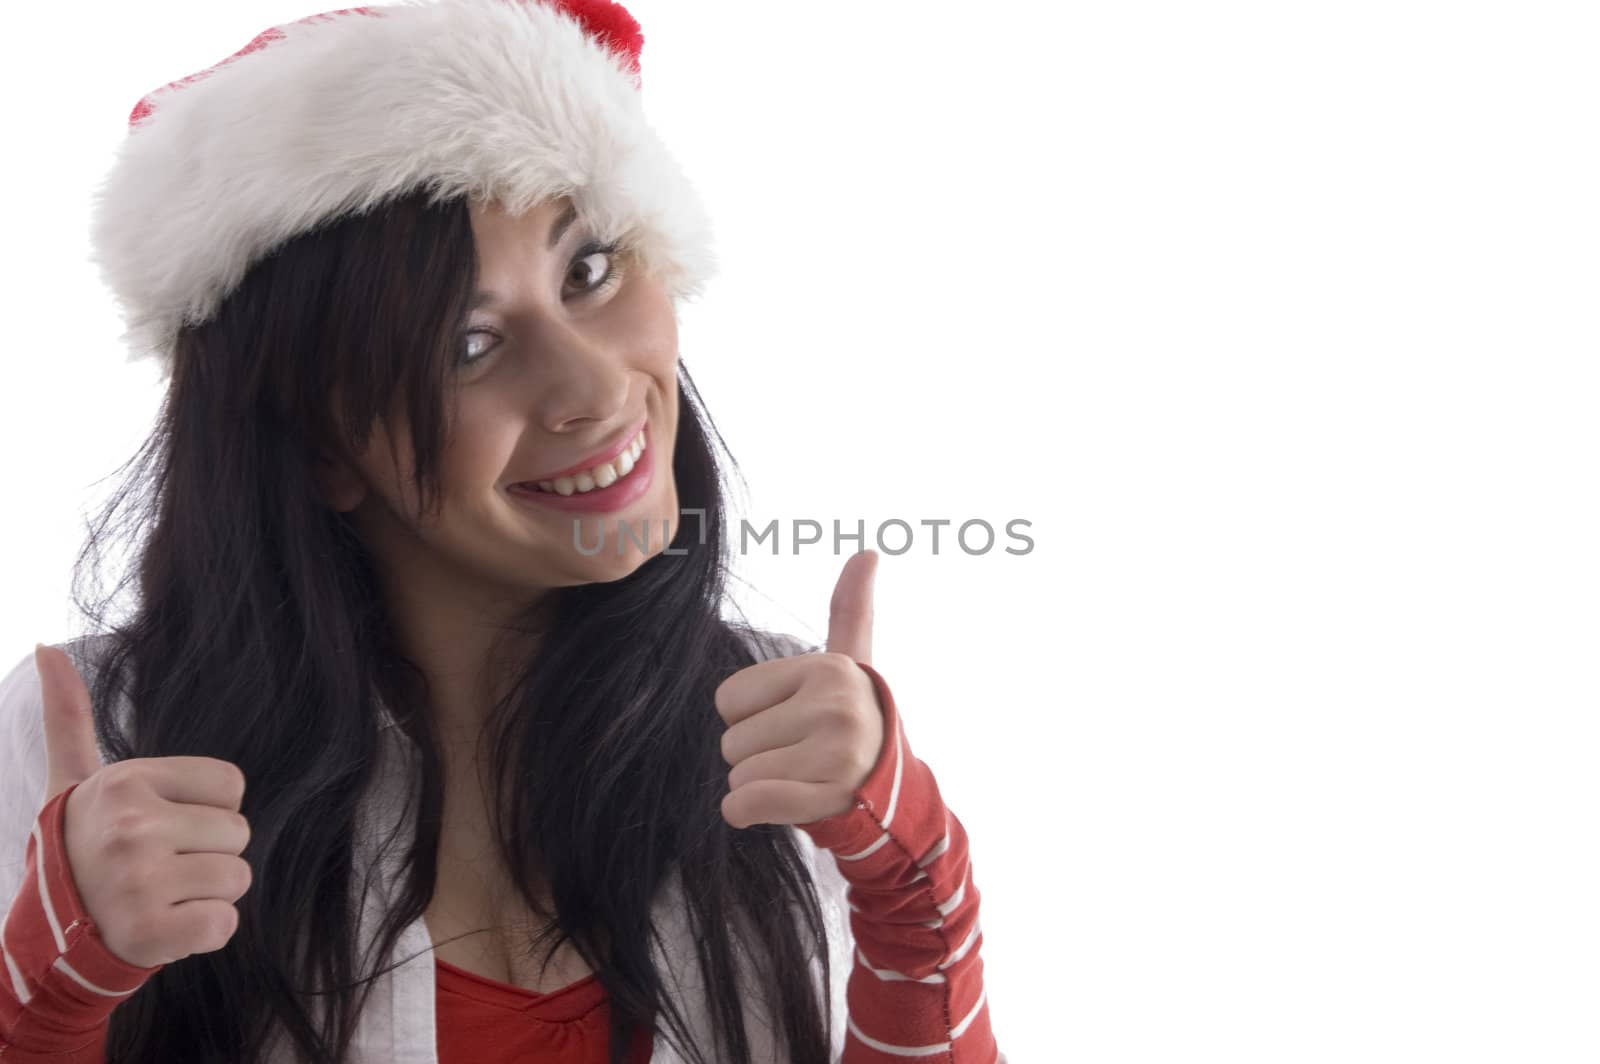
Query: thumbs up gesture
x: 153, y: 843
x: 804, y: 732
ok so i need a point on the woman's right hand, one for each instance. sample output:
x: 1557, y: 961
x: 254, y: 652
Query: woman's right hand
x: 153, y: 842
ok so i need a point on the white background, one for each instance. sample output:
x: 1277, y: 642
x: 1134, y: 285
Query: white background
x: 1278, y: 323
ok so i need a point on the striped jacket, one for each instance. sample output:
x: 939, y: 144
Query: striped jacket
x: 892, y: 872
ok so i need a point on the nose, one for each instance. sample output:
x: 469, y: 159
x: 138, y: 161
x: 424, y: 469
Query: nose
x: 577, y: 376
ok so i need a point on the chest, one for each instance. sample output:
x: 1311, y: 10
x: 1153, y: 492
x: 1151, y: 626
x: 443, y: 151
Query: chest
x: 496, y: 942
x: 478, y: 920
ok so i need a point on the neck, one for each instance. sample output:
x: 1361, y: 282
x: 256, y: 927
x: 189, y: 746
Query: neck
x: 470, y: 648
x: 467, y: 633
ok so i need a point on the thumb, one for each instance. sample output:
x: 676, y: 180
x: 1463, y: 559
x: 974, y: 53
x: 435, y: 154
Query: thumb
x: 850, y: 611
x: 69, y: 745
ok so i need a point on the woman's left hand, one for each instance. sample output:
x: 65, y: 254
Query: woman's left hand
x: 804, y: 732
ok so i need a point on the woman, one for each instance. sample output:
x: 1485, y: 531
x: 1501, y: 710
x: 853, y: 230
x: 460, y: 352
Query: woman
x: 388, y: 762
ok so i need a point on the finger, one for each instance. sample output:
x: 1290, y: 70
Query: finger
x: 71, y: 753
x: 206, y: 829
x: 850, y: 610
x: 785, y: 725
x: 783, y: 802
x: 205, y: 923
x: 802, y: 762
x: 759, y: 686
x: 197, y: 876
x: 208, y: 781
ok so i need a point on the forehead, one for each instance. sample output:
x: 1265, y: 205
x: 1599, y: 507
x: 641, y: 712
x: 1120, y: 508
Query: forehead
x: 510, y: 245
x: 491, y: 220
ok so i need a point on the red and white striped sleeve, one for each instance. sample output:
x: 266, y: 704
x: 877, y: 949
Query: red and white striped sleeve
x: 60, y: 981
x: 916, y: 987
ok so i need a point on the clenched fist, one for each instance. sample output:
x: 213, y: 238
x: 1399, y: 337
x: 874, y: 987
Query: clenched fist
x: 153, y: 842
x: 804, y: 732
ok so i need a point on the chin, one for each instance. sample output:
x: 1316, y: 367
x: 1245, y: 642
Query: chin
x: 611, y: 563
x: 612, y: 568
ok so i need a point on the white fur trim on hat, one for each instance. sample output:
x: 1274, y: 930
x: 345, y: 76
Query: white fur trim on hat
x: 507, y: 100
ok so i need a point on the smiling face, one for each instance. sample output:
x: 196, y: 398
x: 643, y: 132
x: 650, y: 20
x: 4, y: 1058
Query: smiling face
x: 570, y: 352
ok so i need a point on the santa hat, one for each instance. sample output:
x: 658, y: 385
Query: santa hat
x: 513, y: 100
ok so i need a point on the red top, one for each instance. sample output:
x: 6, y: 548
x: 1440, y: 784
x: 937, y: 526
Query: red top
x: 484, y: 1019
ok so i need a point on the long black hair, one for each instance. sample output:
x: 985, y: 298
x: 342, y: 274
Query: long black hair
x: 257, y: 634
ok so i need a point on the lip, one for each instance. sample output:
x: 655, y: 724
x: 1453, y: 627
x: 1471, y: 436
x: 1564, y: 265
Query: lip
x: 620, y: 495
x: 594, y: 459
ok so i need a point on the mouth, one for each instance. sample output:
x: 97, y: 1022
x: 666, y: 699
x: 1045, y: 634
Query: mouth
x: 594, y: 478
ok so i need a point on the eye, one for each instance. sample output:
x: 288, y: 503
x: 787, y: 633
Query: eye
x: 583, y: 270
x: 467, y: 357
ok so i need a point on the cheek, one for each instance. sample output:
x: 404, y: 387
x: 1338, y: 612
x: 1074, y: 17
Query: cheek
x: 650, y: 328
x: 482, y: 443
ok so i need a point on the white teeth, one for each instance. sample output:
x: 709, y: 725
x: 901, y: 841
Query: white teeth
x: 601, y: 476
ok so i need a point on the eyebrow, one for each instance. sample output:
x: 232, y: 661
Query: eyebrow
x: 568, y: 215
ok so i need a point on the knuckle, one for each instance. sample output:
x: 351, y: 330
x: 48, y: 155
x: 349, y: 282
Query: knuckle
x: 236, y: 782
x: 860, y: 726
x: 216, y: 927
x: 841, y: 749
x: 840, y: 713
x: 126, y: 829
x: 854, y: 761
x: 840, y: 667
x: 120, y: 778
x: 840, y: 684
x: 862, y: 768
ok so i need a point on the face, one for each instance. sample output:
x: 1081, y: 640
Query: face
x: 570, y: 357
